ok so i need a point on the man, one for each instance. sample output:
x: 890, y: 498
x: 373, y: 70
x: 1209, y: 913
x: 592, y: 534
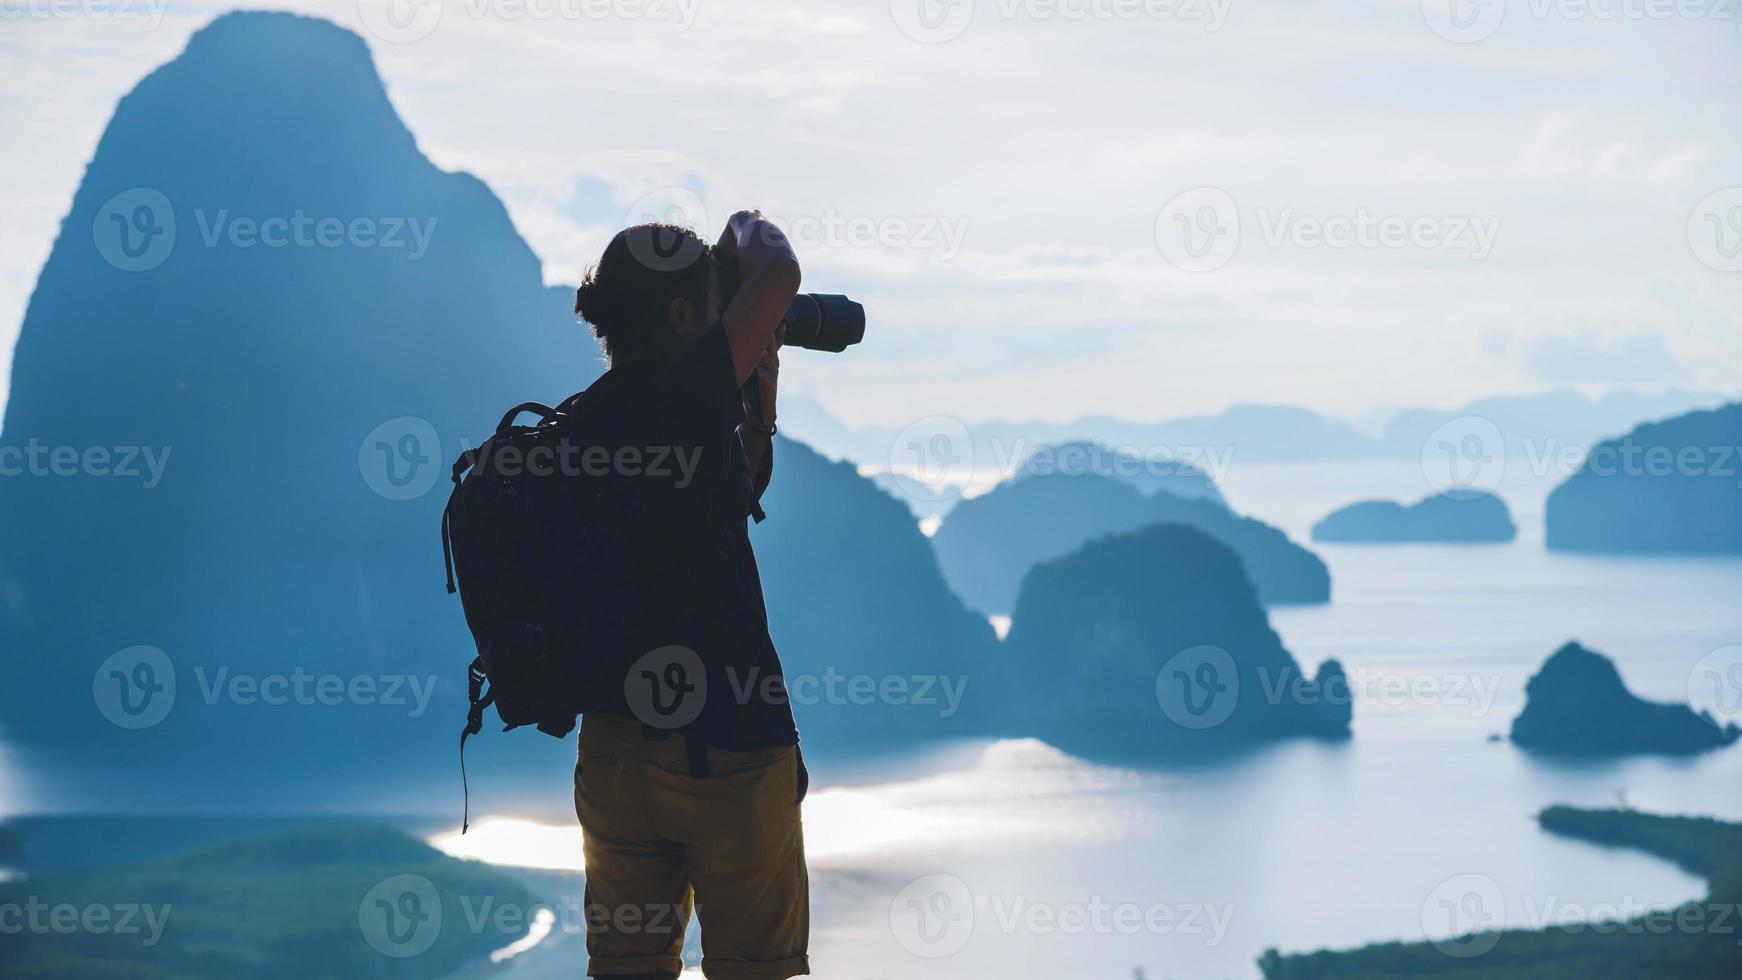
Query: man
x: 688, y: 793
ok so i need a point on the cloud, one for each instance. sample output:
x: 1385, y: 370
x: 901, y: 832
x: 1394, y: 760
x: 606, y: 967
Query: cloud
x: 1584, y: 358
x: 1050, y: 146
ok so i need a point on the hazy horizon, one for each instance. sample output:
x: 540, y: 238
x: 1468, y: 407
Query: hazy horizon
x: 1015, y: 232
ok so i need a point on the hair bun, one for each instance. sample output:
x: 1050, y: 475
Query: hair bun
x: 592, y: 301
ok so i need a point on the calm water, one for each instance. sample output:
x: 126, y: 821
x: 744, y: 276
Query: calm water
x: 1032, y: 863
x: 1029, y: 863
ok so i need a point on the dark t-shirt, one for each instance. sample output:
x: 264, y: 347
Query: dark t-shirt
x: 690, y: 492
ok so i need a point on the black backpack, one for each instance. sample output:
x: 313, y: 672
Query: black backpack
x: 544, y: 551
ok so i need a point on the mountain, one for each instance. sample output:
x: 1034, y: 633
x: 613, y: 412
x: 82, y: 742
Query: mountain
x: 303, y: 398
x: 1671, y: 486
x: 1156, y: 639
x: 235, y: 592
x: 855, y: 598
x: 1577, y: 705
x: 1441, y: 518
x: 1154, y: 473
x: 987, y: 544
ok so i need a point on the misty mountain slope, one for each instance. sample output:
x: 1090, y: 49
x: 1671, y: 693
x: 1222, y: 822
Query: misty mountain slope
x: 290, y: 528
x: 986, y: 545
x: 853, y: 589
x: 1670, y: 486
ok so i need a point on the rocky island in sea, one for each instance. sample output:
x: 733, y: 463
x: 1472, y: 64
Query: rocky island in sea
x: 1441, y: 518
x: 1578, y: 705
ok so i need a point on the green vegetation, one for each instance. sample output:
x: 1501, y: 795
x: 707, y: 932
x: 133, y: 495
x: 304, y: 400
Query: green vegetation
x: 1699, y: 939
x: 292, y: 904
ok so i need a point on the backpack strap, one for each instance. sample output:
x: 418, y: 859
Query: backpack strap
x: 479, y: 700
x: 539, y: 409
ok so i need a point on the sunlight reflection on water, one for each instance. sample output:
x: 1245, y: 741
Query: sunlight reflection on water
x: 1021, y: 790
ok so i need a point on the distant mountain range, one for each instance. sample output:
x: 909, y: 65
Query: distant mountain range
x: 989, y: 543
x: 1539, y: 425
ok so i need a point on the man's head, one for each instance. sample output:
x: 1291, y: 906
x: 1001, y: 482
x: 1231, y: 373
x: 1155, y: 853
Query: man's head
x: 654, y: 290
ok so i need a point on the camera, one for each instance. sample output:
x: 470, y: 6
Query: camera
x: 824, y: 321
x: 815, y: 321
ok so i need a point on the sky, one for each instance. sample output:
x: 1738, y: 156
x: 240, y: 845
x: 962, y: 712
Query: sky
x: 1059, y: 208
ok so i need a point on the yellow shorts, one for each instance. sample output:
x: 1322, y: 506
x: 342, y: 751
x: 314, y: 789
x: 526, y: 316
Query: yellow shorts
x: 658, y: 840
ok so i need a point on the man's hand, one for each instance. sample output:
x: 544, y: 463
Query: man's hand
x: 769, y: 280
x: 768, y: 380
